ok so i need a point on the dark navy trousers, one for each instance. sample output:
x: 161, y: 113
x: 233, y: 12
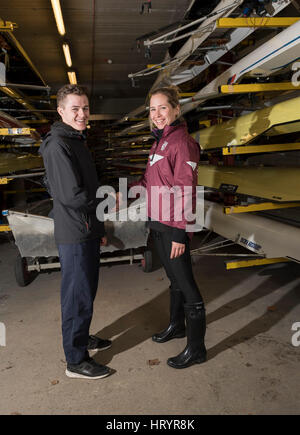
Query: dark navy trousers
x: 80, y: 274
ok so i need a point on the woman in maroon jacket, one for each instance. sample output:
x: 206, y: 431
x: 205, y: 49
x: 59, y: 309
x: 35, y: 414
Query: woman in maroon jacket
x: 172, y: 170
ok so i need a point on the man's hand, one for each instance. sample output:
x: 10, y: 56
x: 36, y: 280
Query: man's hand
x: 103, y: 241
x: 118, y: 198
x: 177, y: 250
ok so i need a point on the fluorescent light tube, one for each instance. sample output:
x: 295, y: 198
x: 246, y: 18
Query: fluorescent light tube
x: 67, y: 54
x: 58, y: 17
x: 72, y: 77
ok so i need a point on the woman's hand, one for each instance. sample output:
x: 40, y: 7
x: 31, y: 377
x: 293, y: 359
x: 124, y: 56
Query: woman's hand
x: 177, y: 250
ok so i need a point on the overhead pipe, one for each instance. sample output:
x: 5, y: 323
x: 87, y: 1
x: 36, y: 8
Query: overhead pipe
x: 34, y: 87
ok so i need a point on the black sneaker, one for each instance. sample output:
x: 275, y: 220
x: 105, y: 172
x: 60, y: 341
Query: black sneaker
x: 87, y: 369
x: 96, y: 343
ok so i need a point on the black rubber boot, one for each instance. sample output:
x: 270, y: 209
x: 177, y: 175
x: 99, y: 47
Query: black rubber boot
x: 195, y: 351
x: 176, y: 328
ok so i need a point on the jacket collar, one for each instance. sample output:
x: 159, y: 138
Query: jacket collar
x: 176, y: 125
x: 65, y: 129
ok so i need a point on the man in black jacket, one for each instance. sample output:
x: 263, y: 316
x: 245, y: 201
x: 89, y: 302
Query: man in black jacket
x: 72, y: 180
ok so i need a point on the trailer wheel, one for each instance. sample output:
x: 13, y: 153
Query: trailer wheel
x: 23, y: 276
x: 147, y: 261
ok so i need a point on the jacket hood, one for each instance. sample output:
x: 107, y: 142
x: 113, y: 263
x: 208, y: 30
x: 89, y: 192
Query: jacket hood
x: 61, y: 130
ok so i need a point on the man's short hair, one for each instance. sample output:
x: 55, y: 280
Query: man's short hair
x: 68, y: 90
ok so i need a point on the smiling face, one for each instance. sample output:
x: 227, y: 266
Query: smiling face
x: 162, y: 113
x: 74, y: 111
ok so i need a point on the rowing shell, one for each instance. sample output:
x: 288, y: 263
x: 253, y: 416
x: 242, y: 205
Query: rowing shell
x: 272, y: 183
x: 276, y: 54
x: 266, y: 237
x: 279, y: 119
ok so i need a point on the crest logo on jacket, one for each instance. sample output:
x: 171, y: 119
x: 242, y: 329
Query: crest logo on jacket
x: 164, y: 146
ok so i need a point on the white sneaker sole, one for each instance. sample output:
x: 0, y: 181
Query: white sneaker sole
x: 79, y: 376
x: 101, y: 348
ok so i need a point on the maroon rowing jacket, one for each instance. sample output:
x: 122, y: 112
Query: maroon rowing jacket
x: 171, y: 178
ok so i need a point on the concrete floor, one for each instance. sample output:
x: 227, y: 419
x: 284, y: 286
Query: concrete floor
x: 253, y: 368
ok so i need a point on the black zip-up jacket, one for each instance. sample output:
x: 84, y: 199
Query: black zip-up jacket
x: 72, y: 180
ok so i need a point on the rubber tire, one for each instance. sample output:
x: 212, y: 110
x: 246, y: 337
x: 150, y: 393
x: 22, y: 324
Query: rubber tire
x: 147, y: 261
x: 23, y: 277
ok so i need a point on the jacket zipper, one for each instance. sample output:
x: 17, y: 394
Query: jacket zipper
x: 157, y: 143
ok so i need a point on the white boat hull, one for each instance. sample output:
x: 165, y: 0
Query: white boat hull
x: 263, y: 236
x: 275, y: 54
x: 236, y: 37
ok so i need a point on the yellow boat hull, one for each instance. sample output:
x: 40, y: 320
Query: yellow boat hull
x: 281, y: 118
x: 272, y: 183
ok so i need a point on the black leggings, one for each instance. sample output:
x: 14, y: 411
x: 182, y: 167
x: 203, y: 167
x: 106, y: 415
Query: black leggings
x: 179, y: 270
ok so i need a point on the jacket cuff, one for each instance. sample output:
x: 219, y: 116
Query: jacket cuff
x: 179, y: 235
